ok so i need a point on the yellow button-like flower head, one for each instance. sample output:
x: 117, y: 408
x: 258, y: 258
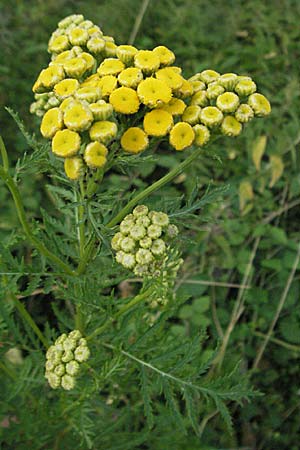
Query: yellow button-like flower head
x: 202, y: 135
x: 78, y: 117
x: 245, y: 87
x: 214, y: 90
x: 158, y: 122
x: 66, y: 143
x: 147, y: 61
x: 191, y: 114
x: 126, y: 53
x: 88, y: 93
x: 51, y: 76
x: 211, y: 116
x: 182, y: 136
x: 101, y: 110
x: 175, y: 107
x: 78, y: 36
x: 124, y: 100
x: 75, y: 67
x: 260, y: 105
x: 153, y: 92
x: 228, y: 81
x: 130, y: 77
x: 95, y: 155
x: 200, y: 99
x: 95, y: 44
x: 89, y: 59
x: 185, y: 90
x: 165, y: 55
x: 58, y: 44
x: 73, y: 167
x: 103, y: 131
x: 110, y: 66
x: 173, y: 79
x: 208, y: 76
x: 52, y: 122
x: 244, y: 113
x: 134, y: 140
x: 231, y: 127
x: 228, y: 102
x: 107, y: 85
x: 66, y: 88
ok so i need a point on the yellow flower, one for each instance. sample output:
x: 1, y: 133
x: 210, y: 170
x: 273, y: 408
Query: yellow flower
x: 153, y: 92
x: 124, y: 100
x: 92, y: 80
x: 95, y: 30
x: 202, y: 135
x: 207, y: 76
x: 181, y: 136
x: 200, y: 99
x: 260, y: 105
x: 75, y: 67
x: 95, y: 155
x: 211, y: 116
x: 66, y: 103
x: 78, y: 36
x: 66, y: 87
x: 49, y: 77
x: 78, y: 117
x: 62, y: 57
x: 147, y: 61
x: 158, y: 122
x: 173, y: 79
x: 95, y: 44
x: 107, y: 85
x: 126, y: 53
x: 228, y: 80
x: 110, y: 66
x: 191, y: 114
x: 244, y: 113
x: 89, y: 59
x: 59, y: 44
x: 197, y: 85
x: 110, y: 48
x: 185, y: 90
x: 134, y: 140
x: 166, y: 56
x: 214, y: 90
x: 66, y: 143
x: 52, y: 122
x: 103, y: 131
x: 231, y: 127
x: 73, y: 167
x: 88, y: 93
x: 175, y: 106
x: 101, y: 110
x: 228, y: 102
x: 130, y: 77
x: 245, y: 87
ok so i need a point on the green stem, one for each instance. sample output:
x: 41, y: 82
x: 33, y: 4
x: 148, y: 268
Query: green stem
x: 157, y: 185
x: 120, y: 313
x: 4, y: 155
x: 22, y: 217
x: 27, y: 318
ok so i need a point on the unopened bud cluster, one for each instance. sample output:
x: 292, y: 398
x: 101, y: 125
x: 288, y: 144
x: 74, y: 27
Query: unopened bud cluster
x: 143, y: 241
x: 91, y: 84
x: 64, y: 359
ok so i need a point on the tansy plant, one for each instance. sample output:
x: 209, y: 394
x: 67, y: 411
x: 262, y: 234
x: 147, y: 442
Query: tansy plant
x: 101, y: 105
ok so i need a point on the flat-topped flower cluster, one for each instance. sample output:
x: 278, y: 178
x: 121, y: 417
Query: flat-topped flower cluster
x: 95, y: 93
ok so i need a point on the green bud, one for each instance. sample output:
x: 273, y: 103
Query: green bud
x: 160, y: 218
x: 211, y: 116
x: 228, y: 102
x: 141, y: 270
x: 126, y: 226
x: 82, y: 353
x: 244, y: 113
x: 143, y: 256
x: 59, y: 370
x: 245, y: 87
x: 127, y: 244
x: 154, y: 231
x: 143, y: 220
x: 208, y: 76
x: 67, y: 382
x: 137, y: 232
x: 72, y: 368
x: 228, y: 81
x: 75, y: 335
x: 128, y: 260
x: 172, y: 230
x: 116, y: 241
x: 202, y: 135
x: 214, y: 90
x: 158, y: 247
x: 140, y: 210
x: 61, y: 339
x: 53, y: 379
x: 200, y: 99
x: 69, y: 344
x: 146, y: 242
x: 67, y: 356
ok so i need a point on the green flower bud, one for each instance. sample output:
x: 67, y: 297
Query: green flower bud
x: 141, y: 270
x: 202, y: 135
x: 53, y: 379
x: 72, y: 368
x: 207, y: 76
x: 67, y: 356
x: 260, y: 105
x: 120, y: 256
x: 158, y: 247
x: 228, y: 102
x: 214, y: 90
x: 127, y: 244
x: 197, y: 85
x: 244, y: 113
x: 82, y: 341
x: 126, y: 226
x: 95, y: 44
x: 146, y: 242
x: 143, y: 221
x: 54, y: 355
x: 49, y: 365
x: 128, y: 260
x: 231, y: 127
x: 59, y: 370
x: 67, y: 382
x: 140, y: 210
x: 75, y: 334
x: 143, y: 256
x: 101, y: 110
x: 172, y: 230
x: 137, y: 232
x: 245, y: 87
x: 228, y: 81
x: 116, y: 241
x: 191, y: 114
x: 200, y: 99
x: 69, y: 344
x: 154, y: 231
x: 160, y: 218
x: 211, y: 116
x: 82, y: 353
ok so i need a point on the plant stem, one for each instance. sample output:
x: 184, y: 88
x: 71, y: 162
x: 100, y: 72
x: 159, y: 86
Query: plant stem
x: 137, y: 299
x: 157, y: 185
x: 27, y: 318
x: 4, y: 155
x: 22, y: 217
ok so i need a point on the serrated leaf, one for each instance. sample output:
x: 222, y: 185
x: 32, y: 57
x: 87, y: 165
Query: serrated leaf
x: 277, y: 168
x: 146, y: 398
x: 258, y: 150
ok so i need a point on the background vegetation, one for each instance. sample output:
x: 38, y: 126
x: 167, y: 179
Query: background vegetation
x: 241, y: 271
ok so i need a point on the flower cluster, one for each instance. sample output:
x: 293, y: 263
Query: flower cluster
x: 64, y: 359
x: 142, y: 244
x: 94, y: 93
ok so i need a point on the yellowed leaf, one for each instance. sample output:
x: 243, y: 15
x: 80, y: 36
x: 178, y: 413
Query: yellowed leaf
x: 246, y: 194
x: 258, y: 150
x: 277, y: 168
